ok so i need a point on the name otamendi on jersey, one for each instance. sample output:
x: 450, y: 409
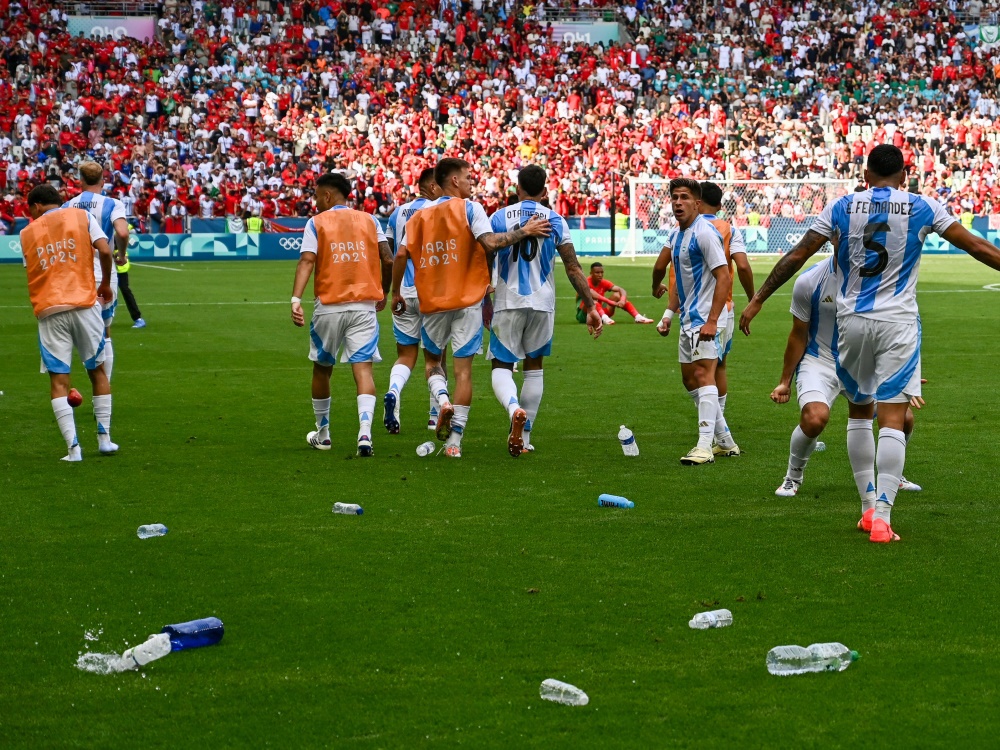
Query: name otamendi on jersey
x: 525, y: 277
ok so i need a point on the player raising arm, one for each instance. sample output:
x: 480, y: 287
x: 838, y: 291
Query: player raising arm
x: 448, y: 241
x: 877, y: 236
x: 352, y: 261
x: 524, y: 315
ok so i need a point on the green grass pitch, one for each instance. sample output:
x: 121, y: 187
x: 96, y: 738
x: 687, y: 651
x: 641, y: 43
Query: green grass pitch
x: 432, y: 618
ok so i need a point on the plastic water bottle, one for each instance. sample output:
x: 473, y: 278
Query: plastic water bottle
x: 820, y: 446
x: 348, y: 509
x: 563, y: 692
x: 194, y: 634
x: 627, y: 439
x: 150, y: 530
x: 819, y: 657
x: 614, y: 501
x: 155, y: 648
x: 717, y: 618
x: 425, y: 449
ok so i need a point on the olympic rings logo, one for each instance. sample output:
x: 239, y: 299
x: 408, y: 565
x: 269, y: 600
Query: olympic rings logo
x: 290, y: 243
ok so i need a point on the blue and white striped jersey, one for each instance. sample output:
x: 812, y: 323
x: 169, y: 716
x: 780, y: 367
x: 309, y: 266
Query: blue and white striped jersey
x: 697, y: 251
x: 877, y: 237
x: 814, y: 301
x: 394, y: 232
x: 524, y: 271
x: 106, y: 211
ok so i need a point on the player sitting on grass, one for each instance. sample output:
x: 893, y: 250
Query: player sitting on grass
x: 609, y: 297
x: 352, y: 261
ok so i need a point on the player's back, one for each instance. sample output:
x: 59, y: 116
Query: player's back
x: 394, y: 233
x: 106, y: 211
x: 525, y: 271
x: 814, y: 300
x: 878, y: 235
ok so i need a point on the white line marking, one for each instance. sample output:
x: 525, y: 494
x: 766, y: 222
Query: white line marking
x: 162, y: 268
x: 992, y: 287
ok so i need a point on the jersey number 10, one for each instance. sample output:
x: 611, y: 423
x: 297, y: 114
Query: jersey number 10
x: 527, y: 249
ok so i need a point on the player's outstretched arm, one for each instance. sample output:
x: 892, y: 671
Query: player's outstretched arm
x: 385, y: 255
x: 304, y: 269
x: 795, y: 349
x: 579, y: 281
x: 398, y: 270
x: 783, y: 270
x: 981, y: 249
x: 535, y: 227
x: 660, y: 271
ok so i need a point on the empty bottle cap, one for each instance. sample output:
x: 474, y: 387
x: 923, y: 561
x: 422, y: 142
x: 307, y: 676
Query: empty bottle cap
x: 855, y: 656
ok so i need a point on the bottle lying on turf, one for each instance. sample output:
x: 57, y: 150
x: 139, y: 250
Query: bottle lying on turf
x: 348, y: 509
x: 627, y: 439
x: 155, y: 648
x: 819, y: 657
x: 194, y: 634
x: 150, y: 530
x: 717, y: 618
x: 426, y: 449
x: 614, y: 501
x: 563, y: 692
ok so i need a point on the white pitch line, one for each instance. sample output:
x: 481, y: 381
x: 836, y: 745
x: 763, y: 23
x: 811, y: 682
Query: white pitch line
x: 162, y: 268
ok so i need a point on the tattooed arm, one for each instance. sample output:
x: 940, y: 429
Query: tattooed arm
x: 536, y: 227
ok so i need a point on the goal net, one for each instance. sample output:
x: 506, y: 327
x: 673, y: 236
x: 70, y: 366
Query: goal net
x: 773, y: 215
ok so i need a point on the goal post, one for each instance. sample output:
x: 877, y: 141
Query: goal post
x: 772, y: 214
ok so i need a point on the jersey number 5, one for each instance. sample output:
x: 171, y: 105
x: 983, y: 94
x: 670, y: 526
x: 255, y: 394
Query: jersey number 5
x: 527, y: 249
x: 878, y: 248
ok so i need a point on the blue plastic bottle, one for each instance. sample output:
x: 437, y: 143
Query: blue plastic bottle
x: 614, y: 501
x: 194, y: 634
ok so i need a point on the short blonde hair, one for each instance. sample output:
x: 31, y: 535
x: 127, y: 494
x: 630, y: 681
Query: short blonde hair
x: 91, y: 172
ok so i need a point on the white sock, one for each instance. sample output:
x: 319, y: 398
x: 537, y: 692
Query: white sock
x: 102, y: 413
x: 321, y: 408
x: 438, y: 387
x: 109, y: 357
x: 799, y: 450
x: 64, y: 418
x: 708, y: 411
x: 366, y: 409
x: 722, y: 436
x: 531, y: 399
x: 432, y: 412
x: 458, y: 423
x: 861, y: 453
x: 694, y: 397
x: 397, y: 378
x: 505, y: 389
x: 891, y: 458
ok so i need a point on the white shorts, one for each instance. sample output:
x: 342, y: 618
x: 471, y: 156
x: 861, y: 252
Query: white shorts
x: 878, y: 360
x: 60, y: 332
x: 816, y: 381
x: 406, y: 327
x: 727, y: 337
x: 108, y: 310
x: 463, y: 329
x: 691, y: 349
x: 519, y: 334
x: 353, y: 331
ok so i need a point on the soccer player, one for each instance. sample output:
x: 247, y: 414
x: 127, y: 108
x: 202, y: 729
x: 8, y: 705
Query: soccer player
x: 59, y: 251
x: 701, y: 287
x: 877, y: 237
x: 110, y: 214
x: 736, y: 255
x: 524, y: 310
x: 810, y: 357
x: 406, y: 327
x: 448, y: 241
x: 609, y: 296
x: 351, y: 258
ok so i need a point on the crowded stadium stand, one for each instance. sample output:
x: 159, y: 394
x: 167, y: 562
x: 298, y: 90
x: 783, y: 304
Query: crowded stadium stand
x: 208, y: 110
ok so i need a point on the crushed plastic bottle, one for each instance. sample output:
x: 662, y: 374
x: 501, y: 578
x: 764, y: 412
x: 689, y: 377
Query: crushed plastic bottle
x: 614, y: 501
x: 348, y: 509
x: 426, y: 449
x: 155, y: 648
x: 717, y: 618
x: 820, y: 446
x: 194, y: 634
x: 563, y: 692
x: 627, y: 439
x: 819, y: 657
x: 150, y: 530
